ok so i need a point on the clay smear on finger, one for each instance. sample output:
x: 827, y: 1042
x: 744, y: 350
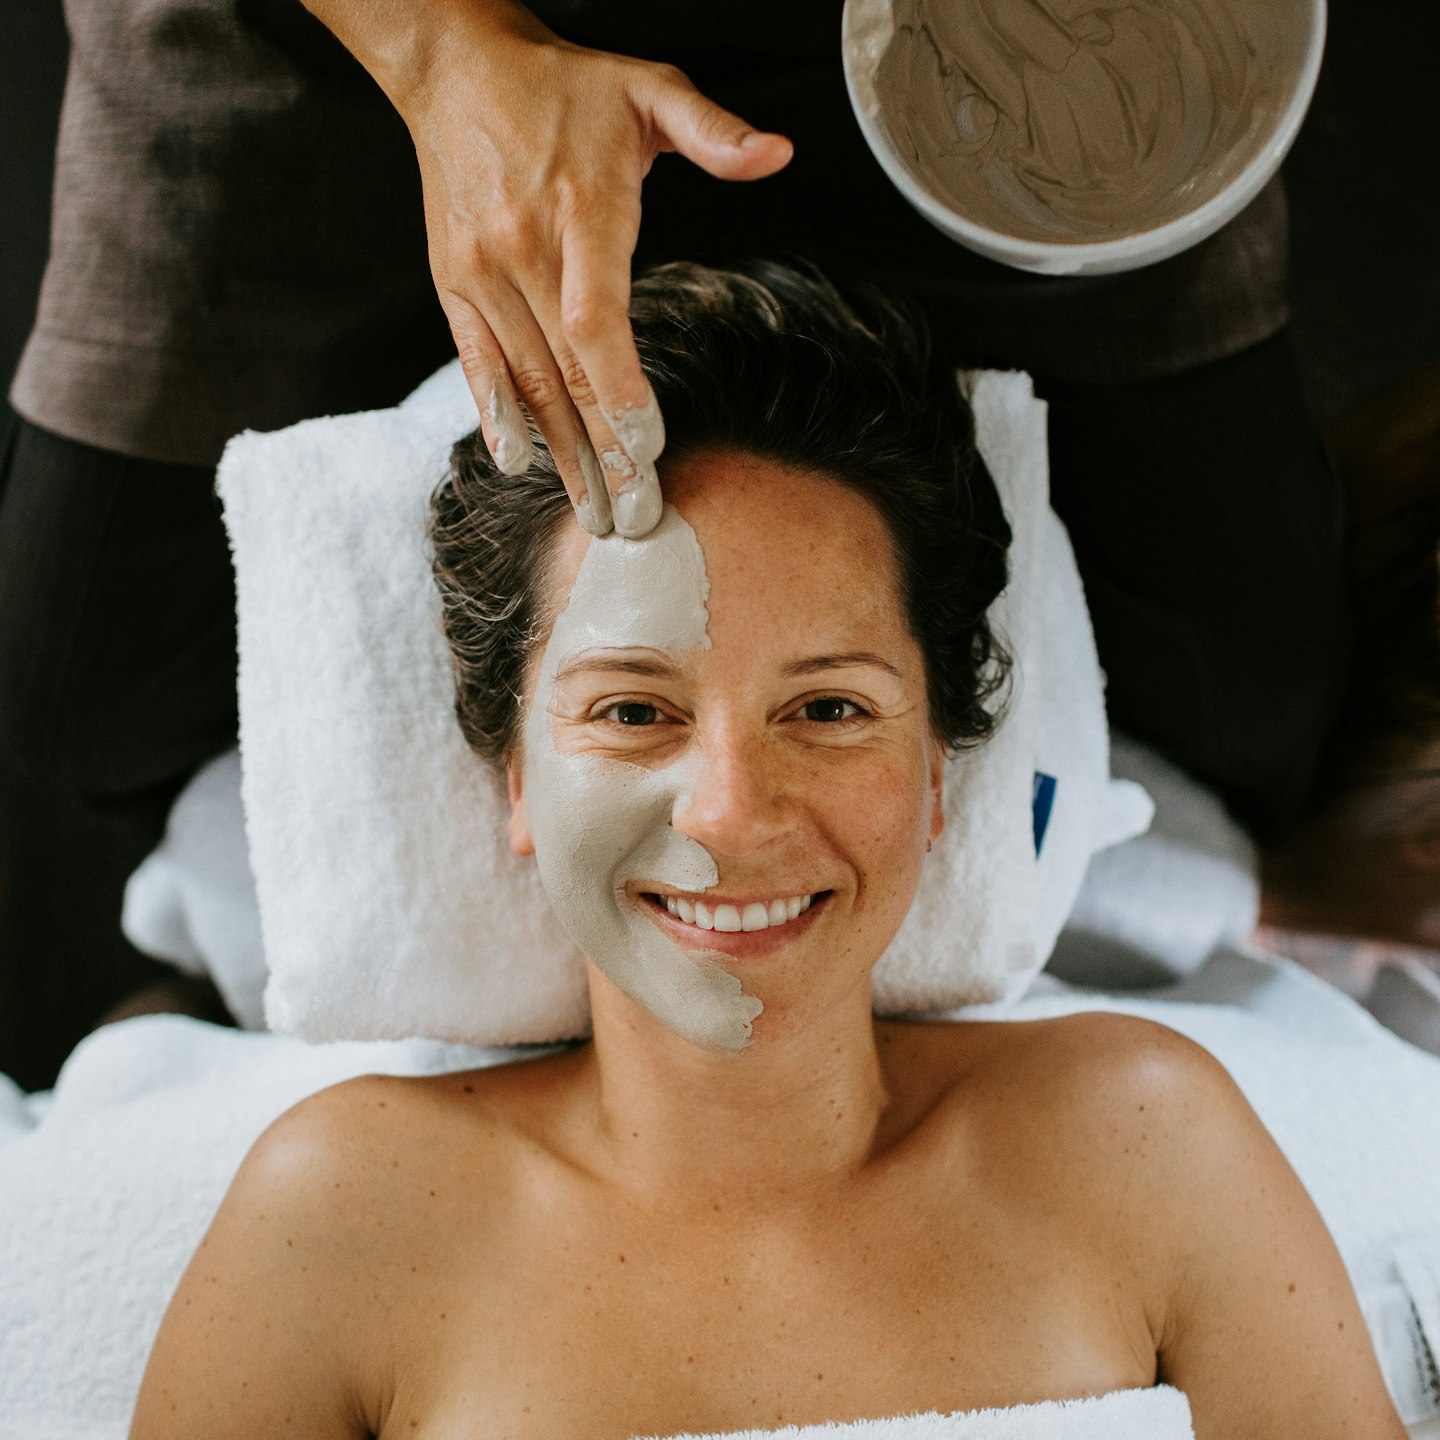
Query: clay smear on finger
x: 640, y: 430
x: 593, y: 512
x: 635, y: 500
x: 513, y: 447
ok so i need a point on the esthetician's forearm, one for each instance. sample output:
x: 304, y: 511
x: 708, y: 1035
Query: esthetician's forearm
x: 532, y: 152
x: 399, y: 41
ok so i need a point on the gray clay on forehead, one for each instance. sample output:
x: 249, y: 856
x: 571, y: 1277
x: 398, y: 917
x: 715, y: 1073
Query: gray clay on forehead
x: 1084, y: 120
x: 600, y: 822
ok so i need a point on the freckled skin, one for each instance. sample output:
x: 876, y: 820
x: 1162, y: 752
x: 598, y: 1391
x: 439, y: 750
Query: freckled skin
x: 641, y: 1236
x: 781, y: 811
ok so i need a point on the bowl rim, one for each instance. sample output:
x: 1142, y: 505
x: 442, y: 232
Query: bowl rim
x: 1155, y: 243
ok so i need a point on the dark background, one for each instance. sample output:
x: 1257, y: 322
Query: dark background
x: 1365, y: 217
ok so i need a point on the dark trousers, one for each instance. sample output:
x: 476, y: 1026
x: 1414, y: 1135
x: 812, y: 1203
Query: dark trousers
x: 1208, y: 525
x: 117, y: 680
x: 1205, y: 518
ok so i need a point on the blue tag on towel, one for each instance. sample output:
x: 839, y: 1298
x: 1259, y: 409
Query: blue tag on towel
x: 1042, y: 801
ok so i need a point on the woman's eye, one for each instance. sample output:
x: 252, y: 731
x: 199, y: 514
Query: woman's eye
x: 632, y: 712
x: 829, y: 710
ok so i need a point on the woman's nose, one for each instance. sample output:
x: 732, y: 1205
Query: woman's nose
x: 736, y: 803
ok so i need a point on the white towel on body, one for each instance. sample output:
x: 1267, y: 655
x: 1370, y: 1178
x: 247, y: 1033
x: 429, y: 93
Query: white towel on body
x: 1161, y: 1413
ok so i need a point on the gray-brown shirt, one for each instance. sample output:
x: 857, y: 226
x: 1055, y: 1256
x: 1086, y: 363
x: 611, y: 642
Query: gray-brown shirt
x: 238, y: 238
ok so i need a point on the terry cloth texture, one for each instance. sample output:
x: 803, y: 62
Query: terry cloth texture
x: 390, y: 903
x: 238, y: 237
x: 1160, y: 1413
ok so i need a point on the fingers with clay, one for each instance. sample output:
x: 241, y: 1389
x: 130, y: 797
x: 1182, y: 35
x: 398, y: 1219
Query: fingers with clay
x: 630, y: 466
x: 505, y: 420
x: 507, y: 432
x: 535, y: 277
x: 507, y: 435
x: 597, y: 353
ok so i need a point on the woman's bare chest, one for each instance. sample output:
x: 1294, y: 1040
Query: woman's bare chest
x: 618, y: 1325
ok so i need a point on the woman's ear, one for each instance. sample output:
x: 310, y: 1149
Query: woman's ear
x: 937, y: 790
x: 521, y: 840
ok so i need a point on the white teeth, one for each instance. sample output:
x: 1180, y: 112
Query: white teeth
x: 727, y: 918
x: 755, y: 915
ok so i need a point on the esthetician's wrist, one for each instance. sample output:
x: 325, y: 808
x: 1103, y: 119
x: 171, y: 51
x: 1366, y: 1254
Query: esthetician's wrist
x: 406, y: 47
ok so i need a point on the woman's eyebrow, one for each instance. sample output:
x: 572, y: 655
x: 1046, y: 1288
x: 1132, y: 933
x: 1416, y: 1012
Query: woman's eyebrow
x: 652, y: 664
x: 853, y: 659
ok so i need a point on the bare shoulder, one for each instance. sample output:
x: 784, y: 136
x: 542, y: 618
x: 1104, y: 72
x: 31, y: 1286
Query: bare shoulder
x: 1140, y: 1128
x: 1157, y: 1161
x: 1095, y: 1073
x: 1106, y: 1129
x: 1101, y: 1072
x: 285, y: 1314
x: 348, y: 1156
x: 330, y: 1148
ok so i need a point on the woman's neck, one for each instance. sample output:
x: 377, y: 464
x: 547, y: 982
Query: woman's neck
x: 787, y: 1116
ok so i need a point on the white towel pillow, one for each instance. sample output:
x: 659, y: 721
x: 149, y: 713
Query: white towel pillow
x: 390, y: 904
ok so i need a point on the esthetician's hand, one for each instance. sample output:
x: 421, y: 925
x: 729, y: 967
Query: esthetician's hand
x: 532, y: 152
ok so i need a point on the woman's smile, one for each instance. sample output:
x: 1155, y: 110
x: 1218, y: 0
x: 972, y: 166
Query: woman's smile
x: 748, y: 929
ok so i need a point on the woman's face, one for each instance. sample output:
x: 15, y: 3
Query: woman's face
x: 728, y: 726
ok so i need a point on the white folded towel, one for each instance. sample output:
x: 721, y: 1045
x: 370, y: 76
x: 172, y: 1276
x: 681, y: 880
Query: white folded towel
x: 192, y: 901
x: 1159, y: 905
x: 389, y: 903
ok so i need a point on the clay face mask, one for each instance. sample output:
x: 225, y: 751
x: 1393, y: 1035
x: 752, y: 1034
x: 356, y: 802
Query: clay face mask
x: 1084, y: 120
x: 601, y: 822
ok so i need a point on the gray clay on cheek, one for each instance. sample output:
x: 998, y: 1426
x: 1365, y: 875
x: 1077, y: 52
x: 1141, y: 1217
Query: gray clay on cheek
x: 599, y: 823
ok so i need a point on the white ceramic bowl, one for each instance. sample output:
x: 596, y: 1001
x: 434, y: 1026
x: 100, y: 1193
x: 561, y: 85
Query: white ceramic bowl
x: 867, y: 27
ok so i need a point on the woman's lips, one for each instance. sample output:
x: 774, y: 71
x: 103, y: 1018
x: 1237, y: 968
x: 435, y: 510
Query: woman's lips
x: 784, y: 920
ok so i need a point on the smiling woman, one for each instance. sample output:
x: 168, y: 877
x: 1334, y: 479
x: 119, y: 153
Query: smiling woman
x: 746, y: 1203
x: 882, y: 549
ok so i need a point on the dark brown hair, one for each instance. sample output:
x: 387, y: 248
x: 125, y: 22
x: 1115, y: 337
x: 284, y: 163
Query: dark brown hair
x: 775, y: 360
